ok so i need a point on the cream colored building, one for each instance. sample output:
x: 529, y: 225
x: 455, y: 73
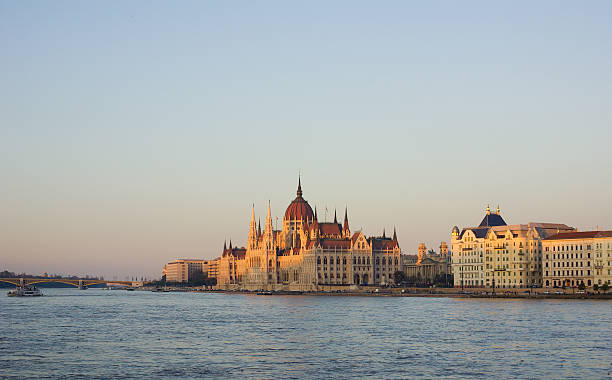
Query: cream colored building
x: 307, y: 254
x: 578, y: 257
x: 500, y: 255
x: 182, y: 270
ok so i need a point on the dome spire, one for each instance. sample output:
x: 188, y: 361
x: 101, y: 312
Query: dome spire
x: 335, y: 218
x: 299, y: 190
x: 497, y: 209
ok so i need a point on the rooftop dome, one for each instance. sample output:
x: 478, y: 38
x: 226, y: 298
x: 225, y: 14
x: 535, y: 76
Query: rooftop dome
x: 299, y: 209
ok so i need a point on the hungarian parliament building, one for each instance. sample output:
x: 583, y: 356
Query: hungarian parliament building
x: 307, y: 254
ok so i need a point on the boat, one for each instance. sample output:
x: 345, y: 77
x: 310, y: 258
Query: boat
x: 26, y: 291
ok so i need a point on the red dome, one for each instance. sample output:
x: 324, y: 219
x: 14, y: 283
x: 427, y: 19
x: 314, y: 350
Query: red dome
x: 299, y: 209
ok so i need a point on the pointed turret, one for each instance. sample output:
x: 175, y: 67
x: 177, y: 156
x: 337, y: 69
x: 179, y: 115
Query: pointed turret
x: 252, y: 243
x: 497, y: 209
x: 335, y: 218
x: 395, y: 243
x: 224, y: 245
x: 316, y: 218
x: 384, y: 236
x: 259, y: 229
x: 299, y: 190
x: 230, y: 245
x: 269, y: 229
x: 346, y: 231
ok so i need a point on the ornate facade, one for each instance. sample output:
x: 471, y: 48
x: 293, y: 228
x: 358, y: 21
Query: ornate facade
x: 500, y: 255
x: 308, y: 255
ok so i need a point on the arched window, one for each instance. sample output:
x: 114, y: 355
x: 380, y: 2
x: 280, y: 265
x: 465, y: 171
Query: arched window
x: 324, y: 260
x: 344, y: 260
x: 368, y: 260
x: 354, y: 260
x: 378, y: 261
x: 359, y: 260
x: 384, y: 261
x: 318, y: 260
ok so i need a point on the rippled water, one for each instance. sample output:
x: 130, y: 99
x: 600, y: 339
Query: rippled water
x: 118, y: 334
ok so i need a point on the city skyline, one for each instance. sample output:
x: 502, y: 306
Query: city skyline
x: 137, y: 134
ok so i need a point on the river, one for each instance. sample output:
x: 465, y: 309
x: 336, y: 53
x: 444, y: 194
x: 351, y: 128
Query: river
x: 115, y: 334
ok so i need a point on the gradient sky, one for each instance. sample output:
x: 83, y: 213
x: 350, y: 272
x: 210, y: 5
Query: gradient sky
x: 133, y: 133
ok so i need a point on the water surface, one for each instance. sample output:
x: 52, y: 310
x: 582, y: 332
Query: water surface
x: 117, y: 334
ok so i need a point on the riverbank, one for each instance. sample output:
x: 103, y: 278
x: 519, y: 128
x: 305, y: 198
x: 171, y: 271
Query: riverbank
x: 418, y: 292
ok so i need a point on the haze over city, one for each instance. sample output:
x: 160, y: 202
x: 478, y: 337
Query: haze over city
x: 134, y: 134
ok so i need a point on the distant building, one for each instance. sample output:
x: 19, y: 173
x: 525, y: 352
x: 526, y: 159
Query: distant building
x: 422, y: 252
x: 500, y: 255
x: 425, y: 267
x: 182, y: 270
x: 577, y: 257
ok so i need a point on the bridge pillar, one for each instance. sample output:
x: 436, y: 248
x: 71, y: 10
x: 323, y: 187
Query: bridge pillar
x: 82, y: 286
x: 22, y: 282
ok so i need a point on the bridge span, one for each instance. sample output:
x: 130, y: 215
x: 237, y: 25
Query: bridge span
x: 79, y: 283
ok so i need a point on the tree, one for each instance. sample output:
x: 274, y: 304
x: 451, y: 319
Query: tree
x: 431, y: 252
x: 595, y: 287
x: 581, y: 286
x: 605, y: 287
x: 399, y: 277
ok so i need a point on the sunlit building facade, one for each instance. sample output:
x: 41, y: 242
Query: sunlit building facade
x: 500, y: 255
x: 575, y: 258
x: 307, y: 254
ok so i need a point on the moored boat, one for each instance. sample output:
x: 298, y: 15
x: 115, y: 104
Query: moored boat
x: 26, y: 291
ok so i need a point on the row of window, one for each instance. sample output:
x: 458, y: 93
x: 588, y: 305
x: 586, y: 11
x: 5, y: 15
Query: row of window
x: 568, y: 273
x: 357, y: 260
x: 568, y: 264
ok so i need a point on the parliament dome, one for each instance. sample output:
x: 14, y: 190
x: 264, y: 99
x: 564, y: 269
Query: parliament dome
x: 299, y: 209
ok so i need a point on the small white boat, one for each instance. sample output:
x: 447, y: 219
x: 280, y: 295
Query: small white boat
x: 26, y: 291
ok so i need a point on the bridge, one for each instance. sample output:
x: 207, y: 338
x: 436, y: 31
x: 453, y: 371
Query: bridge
x: 81, y: 284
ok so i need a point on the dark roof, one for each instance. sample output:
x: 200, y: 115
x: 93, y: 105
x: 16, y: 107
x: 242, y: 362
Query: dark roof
x: 491, y: 220
x: 580, y: 235
x: 327, y: 229
x: 480, y: 232
x: 380, y: 243
x: 336, y: 243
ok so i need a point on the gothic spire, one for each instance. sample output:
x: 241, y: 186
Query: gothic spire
x: 224, y: 245
x: 316, y: 212
x: 384, y: 233
x: 394, y: 234
x: 299, y: 190
x: 346, y: 223
x: 335, y: 219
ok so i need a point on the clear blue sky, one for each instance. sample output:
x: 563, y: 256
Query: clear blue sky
x: 134, y: 133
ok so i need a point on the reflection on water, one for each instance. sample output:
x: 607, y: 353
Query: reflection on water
x: 118, y: 334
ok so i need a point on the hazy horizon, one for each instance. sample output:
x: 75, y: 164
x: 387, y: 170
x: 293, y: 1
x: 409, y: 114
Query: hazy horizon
x: 137, y: 133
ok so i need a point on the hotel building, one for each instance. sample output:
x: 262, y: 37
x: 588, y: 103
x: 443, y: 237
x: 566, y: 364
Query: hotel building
x: 578, y: 257
x: 500, y: 255
x: 182, y: 270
